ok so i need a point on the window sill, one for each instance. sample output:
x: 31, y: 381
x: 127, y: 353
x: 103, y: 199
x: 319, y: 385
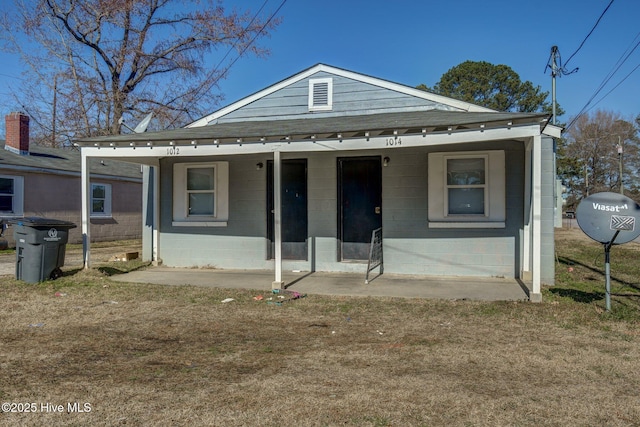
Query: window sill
x: 467, y: 225
x: 199, y: 223
x: 100, y: 217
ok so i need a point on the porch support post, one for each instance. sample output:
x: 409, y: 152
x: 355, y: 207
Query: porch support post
x: 85, y: 200
x: 526, y: 230
x: 156, y: 216
x: 536, y: 238
x: 277, y: 219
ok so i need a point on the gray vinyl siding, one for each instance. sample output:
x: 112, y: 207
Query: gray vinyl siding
x: 349, y: 97
x: 410, y: 246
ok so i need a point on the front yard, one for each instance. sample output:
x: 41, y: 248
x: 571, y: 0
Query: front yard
x: 129, y: 354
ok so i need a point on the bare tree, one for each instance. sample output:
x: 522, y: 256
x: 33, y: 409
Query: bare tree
x: 105, y: 59
x: 592, y: 147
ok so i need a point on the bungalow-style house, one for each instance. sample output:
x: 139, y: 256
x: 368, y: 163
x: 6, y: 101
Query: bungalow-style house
x: 300, y: 174
x: 44, y: 182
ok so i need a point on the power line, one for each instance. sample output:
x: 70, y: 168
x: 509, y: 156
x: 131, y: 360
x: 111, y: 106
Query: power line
x: 555, y: 59
x: 267, y: 22
x: 608, y: 78
x: 10, y: 76
x: 226, y: 69
x: 617, y: 67
x: 558, y: 69
x: 616, y: 86
x: 234, y: 45
x: 590, y: 32
x: 238, y: 38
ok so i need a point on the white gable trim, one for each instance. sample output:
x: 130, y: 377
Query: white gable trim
x: 455, y: 104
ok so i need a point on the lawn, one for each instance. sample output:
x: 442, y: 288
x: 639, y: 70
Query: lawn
x: 168, y: 356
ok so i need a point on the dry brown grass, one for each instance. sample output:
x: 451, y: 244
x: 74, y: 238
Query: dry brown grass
x: 169, y: 356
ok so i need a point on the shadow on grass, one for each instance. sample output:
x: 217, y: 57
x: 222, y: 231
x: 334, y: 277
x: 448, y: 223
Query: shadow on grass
x: 71, y: 272
x: 578, y: 296
x: 109, y: 270
x: 571, y: 262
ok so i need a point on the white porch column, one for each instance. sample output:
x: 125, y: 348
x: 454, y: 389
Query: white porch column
x: 536, y: 238
x: 86, y: 200
x: 526, y: 230
x: 277, y: 219
x: 156, y: 216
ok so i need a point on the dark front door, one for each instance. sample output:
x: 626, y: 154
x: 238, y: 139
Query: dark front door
x: 359, y: 205
x: 294, y: 209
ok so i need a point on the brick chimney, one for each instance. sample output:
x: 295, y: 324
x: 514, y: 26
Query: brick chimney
x: 17, y: 129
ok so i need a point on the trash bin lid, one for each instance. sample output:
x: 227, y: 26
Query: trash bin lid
x: 33, y: 221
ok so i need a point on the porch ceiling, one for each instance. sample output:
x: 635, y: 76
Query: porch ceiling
x: 340, y: 127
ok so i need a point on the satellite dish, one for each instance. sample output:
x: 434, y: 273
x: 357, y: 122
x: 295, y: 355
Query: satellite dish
x: 611, y: 219
x: 604, y: 215
x: 142, y: 126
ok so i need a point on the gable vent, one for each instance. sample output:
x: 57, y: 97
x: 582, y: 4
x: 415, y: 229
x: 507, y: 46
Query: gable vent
x: 320, y: 94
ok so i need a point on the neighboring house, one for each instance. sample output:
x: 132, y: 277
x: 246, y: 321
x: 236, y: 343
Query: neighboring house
x: 45, y: 182
x: 299, y: 174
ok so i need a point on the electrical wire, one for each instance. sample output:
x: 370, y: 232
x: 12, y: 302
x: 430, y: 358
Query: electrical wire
x: 608, y: 78
x: 267, y: 22
x: 226, y: 69
x: 238, y: 38
x: 590, y: 32
x: 615, y: 87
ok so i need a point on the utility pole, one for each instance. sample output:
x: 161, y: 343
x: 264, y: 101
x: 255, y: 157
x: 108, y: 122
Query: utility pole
x: 53, y: 119
x: 586, y: 179
x: 557, y: 70
x: 620, y: 163
x: 554, y: 73
x: 557, y: 206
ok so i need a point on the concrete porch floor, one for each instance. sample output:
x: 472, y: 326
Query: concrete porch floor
x: 328, y: 283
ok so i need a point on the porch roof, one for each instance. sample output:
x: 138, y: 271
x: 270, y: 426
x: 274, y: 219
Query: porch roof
x: 340, y: 127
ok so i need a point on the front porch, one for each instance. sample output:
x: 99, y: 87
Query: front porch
x: 347, y: 284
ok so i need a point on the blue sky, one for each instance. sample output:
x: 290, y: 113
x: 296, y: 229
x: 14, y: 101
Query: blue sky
x: 416, y: 41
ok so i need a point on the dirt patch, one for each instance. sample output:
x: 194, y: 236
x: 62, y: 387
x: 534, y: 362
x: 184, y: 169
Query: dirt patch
x: 101, y: 252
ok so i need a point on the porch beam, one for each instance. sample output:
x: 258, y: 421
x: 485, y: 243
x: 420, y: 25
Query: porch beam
x: 377, y: 142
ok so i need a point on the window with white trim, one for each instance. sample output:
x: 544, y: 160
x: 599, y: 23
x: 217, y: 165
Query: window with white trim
x: 320, y: 94
x: 100, y: 200
x: 201, y: 191
x: 200, y: 194
x: 11, y: 195
x: 467, y: 189
x: 466, y: 185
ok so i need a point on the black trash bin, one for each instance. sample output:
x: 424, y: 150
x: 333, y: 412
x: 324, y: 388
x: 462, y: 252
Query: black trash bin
x: 40, y: 247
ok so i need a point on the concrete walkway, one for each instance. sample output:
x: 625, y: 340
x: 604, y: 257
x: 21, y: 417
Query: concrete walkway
x: 321, y: 283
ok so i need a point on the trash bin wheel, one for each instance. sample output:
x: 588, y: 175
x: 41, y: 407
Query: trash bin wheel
x: 56, y: 273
